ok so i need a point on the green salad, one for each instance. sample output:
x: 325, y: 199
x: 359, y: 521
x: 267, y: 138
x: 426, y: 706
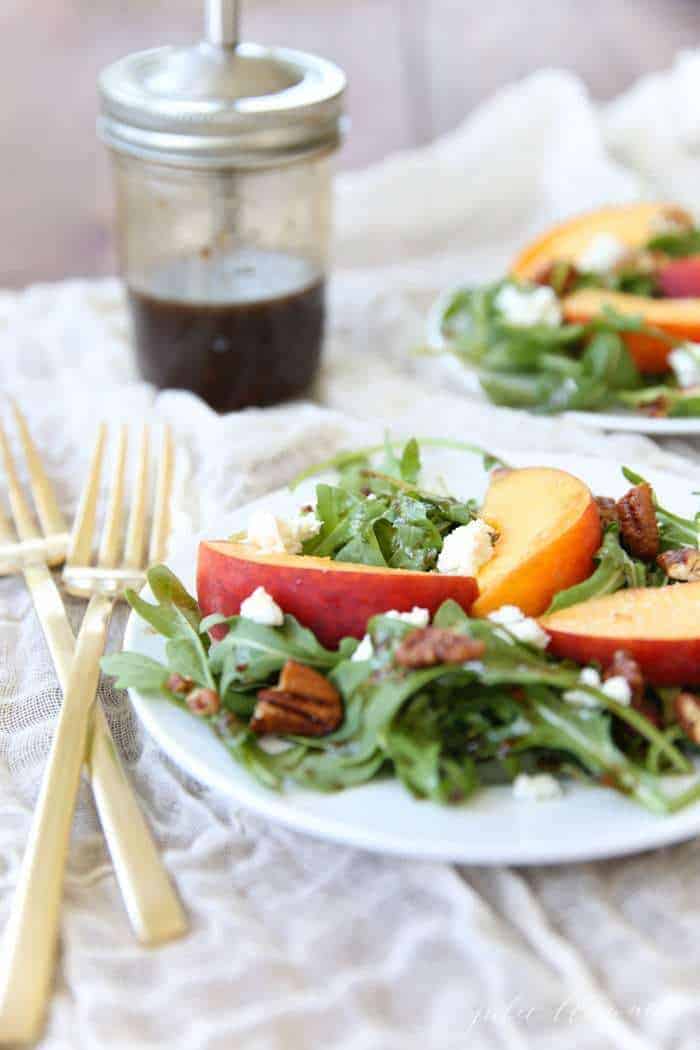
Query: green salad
x: 378, y: 513
x: 446, y: 707
x: 527, y: 355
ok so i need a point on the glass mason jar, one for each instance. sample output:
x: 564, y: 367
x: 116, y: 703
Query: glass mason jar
x: 222, y: 175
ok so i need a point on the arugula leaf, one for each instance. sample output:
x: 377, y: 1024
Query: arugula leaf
x: 410, y: 462
x: 516, y: 391
x: 383, y: 517
x: 416, y: 744
x: 391, y: 464
x: 685, y: 405
x: 168, y: 590
x: 633, y: 282
x: 676, y: 244
x: 136, y: 671
x: 349, y: 463
x: 607, y: 359
x: 268, y: 769
x: 249, y: 654
x: 176, y: 616
x: 551, y: 368
x: 508, y: 662
x: 442, y: 730
x: 187, y: 656
x: 436, y: 726
x: 586, y: 735
x: 615, y: 570
x: 630, y: 280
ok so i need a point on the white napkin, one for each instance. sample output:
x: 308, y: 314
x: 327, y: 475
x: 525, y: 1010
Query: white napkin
x: 296, y: 943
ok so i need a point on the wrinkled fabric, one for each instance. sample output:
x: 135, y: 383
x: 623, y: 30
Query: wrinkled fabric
x: 297, y: 943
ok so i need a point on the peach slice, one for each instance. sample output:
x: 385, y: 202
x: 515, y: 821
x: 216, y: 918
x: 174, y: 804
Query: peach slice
x: 335, y: 599
x: 549, y: 529
x: 633, y: 224
x: 677, y: 318
x: 658, y: 626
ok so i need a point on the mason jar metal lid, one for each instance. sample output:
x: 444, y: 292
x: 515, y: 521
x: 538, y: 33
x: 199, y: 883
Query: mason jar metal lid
x: 222, y: 105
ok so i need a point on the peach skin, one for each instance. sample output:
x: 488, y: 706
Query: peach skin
x: 333, y: 598
x: 658, y: 626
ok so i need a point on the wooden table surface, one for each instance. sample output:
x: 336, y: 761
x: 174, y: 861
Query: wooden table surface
x: 416, y: 68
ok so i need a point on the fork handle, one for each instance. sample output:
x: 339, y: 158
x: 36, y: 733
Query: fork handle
x: 28, y: 950
x: 151, y: 901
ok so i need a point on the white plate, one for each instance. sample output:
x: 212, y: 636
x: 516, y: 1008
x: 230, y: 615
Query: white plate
x: 465, y: 379
x: 494, y: 828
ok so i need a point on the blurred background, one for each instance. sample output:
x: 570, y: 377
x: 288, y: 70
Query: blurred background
x: 416, y: 68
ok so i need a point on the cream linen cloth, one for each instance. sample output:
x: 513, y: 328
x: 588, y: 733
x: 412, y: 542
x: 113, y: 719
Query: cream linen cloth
x: 295, y: 943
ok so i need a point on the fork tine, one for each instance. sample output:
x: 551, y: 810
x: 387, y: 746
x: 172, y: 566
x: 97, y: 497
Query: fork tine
x: 7, y: 533
x: 136, y: 529
x: 24, y: 521
x: 110, y: 547
x: 80, y: 551
x: 52, y: 521
x: 161, y: 508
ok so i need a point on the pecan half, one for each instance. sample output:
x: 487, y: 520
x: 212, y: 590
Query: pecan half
x: 682, y: 564
x: 671, y: 219
x: 639, y: 530
x: 656, y: 408
x: 429, y: 646
x: 203, y: 702
x: 607, y: 508
x: 179, y: 684
x: 687, y: 710
x: 304, y: 703
x: 625, y: 666
x: 298, y: 678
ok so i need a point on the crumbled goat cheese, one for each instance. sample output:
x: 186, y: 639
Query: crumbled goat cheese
x: 685, y: 362
x: 538, y: 787
x: 590, y: 677
x: 365, y: 650
x: 529, y: 632
x: 466, y: 549
x: 602, y: 254
x: 507, y: 615
x: 261, y: 607
x: 521, y: 627
x: 417, y: 617
x: 523, y: 307
x: 270, y: 534
x: 304, y: 526
x: 618, y: 689
x: 273, y: 535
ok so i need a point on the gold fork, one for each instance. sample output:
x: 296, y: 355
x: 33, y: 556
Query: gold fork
x: 28, y: 948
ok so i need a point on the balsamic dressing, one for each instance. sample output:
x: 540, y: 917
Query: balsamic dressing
x: 241, y: 329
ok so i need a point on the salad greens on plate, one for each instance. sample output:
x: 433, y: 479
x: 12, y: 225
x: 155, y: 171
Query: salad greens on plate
x: 555, y: 368
x: 527, y: 354
x: 443, y: 730
x: 446, y: 708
